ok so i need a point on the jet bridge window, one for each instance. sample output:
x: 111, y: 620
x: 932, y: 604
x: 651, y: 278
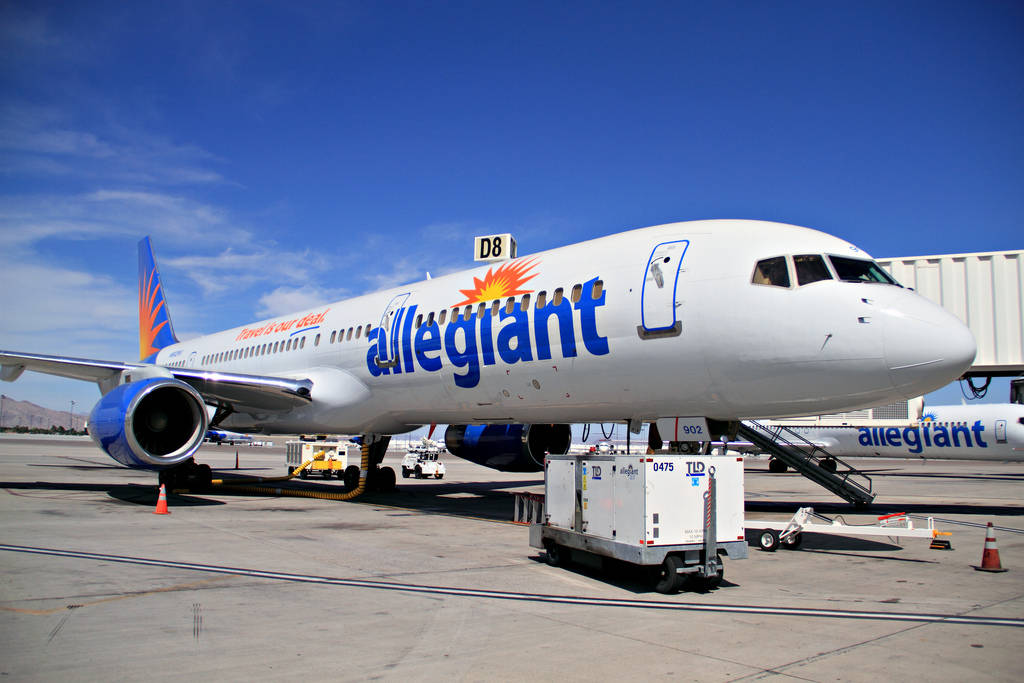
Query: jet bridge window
x: 771, y: 271
x: 810, y: 268
x: 860, y: 270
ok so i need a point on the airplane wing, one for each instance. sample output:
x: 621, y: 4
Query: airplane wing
x: 242, y: 393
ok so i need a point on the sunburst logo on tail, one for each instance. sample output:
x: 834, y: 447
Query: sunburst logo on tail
x: 507, y: 280
x: 151, y: 305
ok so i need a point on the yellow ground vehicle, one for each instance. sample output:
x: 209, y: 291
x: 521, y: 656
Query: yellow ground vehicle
x: 333, y: 462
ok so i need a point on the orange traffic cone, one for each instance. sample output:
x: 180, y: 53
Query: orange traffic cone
x: 161, y: 503
x: 990, y: 556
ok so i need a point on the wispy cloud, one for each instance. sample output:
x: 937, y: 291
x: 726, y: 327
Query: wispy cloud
x: 290, y: 299
x: 46, y: 140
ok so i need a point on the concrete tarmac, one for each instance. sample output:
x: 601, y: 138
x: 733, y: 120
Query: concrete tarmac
x: 433, y: 582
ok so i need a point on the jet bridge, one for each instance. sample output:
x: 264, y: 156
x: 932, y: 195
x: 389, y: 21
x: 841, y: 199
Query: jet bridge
x: 812, y: 461
x: 985, y: 290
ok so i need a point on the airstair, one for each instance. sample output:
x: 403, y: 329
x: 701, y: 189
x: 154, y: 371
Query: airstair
x: 812, y: 461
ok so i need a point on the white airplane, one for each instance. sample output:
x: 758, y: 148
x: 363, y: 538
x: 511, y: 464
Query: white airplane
x: 978, y: 432
x: 222, y: 436
x: 718, y: 319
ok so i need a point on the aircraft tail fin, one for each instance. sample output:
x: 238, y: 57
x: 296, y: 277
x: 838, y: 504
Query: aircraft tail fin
x: 155, y: 330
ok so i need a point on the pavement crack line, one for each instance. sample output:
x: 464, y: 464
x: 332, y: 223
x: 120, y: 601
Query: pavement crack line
x: 718, y: 608
x: 782, y: 669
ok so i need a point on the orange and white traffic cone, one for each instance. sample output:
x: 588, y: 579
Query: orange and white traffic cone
x: 161, y: 502
x: 990, y: 556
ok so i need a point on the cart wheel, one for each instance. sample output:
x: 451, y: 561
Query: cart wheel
x: 706, y: 583
x: 792, y: 542
x: 768, y: 540
x: 668, y: 578
x: 557, y: 556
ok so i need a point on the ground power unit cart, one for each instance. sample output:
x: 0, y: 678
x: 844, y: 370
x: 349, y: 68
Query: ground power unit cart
x: 673, y: 516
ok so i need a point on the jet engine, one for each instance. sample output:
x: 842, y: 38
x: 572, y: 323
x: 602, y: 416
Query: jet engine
x: 151, y: 424
x: 508, y: 447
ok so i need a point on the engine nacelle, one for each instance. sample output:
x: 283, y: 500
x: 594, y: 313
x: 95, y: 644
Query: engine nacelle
x: 510, y: 447
x: 151, y: 424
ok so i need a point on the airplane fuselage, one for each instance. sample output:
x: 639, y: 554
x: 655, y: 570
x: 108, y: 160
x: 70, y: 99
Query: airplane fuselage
x: 975, y: 432
x: 657, y: 322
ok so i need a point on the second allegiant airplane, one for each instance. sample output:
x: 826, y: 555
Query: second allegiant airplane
x: 718, y: 320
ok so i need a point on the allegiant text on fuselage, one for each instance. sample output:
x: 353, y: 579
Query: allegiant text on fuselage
x: 471, y: 344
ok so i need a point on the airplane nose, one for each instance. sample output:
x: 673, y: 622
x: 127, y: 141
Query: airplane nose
x: 926, y: 347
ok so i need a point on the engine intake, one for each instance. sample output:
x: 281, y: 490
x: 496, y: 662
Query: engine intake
x: 508, y: 447
x: 151, y: 424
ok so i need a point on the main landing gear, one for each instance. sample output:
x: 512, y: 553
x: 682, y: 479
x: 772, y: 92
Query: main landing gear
x: 187, y: 475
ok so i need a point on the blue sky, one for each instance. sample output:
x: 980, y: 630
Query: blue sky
x: 284, y: 154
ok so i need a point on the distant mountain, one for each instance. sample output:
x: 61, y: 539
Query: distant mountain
x: 24, y: 414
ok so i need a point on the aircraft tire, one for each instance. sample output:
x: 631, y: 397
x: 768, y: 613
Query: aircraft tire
x: 386, y: 479
x: 351, y: 477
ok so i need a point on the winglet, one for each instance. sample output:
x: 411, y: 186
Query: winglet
x: 155, y: 331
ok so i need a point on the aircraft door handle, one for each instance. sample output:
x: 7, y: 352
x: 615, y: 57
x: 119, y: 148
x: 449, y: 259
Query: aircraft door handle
x: 659, y: 279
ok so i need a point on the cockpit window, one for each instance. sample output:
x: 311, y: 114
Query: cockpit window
x: 810, y: 268
x: 859, y: 270
x: 771, y: 271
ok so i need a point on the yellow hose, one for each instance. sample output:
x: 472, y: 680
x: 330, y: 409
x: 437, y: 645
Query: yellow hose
x: 364, y: 468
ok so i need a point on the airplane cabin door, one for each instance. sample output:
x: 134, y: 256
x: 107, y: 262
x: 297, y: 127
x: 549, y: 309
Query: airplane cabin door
x: 390, y: 326
x: 659, y: 295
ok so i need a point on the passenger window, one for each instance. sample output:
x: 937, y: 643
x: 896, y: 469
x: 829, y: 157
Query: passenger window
x: 810, y: 268
x: 577, y: 293
x: 772, y: 271
x: 556, y: 299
